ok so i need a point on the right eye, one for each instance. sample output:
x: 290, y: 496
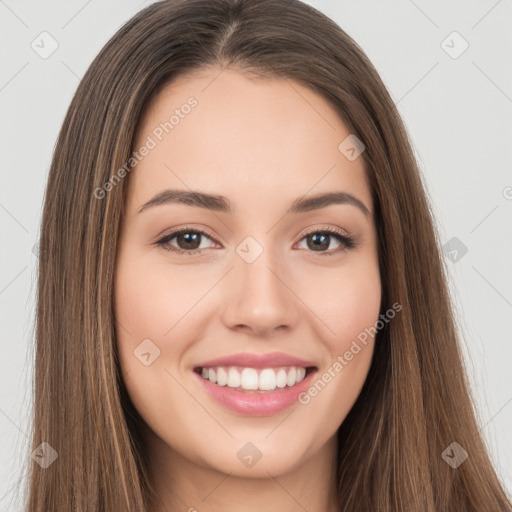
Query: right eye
x: 189, y: 239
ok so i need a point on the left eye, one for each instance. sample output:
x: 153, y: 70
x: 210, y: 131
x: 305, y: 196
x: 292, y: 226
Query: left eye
x: 318, y: 240
x: 189, y: 241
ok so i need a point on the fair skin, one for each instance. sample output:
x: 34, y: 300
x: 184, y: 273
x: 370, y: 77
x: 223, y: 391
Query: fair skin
x: 261, y: 144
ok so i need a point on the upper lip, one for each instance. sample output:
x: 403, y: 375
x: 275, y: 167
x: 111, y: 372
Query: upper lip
x: 271, y: 360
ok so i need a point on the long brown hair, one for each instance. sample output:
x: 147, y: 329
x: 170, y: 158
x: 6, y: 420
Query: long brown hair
x: 415, y: 401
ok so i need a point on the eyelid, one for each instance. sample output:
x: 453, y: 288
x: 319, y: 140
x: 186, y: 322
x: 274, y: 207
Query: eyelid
x: 315, y: 228
x: 184, y: 227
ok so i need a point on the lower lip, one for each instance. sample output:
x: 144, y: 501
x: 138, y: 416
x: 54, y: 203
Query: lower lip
x: 254, y: 403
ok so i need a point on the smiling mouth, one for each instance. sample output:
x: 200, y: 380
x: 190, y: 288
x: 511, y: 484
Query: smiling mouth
x: 255, y: 380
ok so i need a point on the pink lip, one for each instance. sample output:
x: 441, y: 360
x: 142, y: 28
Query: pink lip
x: 251, y: 403
x: 272, y: 360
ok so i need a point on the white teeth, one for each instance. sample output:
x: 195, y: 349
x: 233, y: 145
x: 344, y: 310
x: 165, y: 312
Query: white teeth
x: 280, y: 379
x: 267, y: 379
x: 292, y: 376
x: 233, y: 378
x: 249, y: 378
x: 222, y: 377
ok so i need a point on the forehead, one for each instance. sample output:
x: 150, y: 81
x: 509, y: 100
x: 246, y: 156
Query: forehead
x: 244, y: 137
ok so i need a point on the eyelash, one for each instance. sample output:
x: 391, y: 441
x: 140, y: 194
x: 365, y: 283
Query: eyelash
x: 347, y: 242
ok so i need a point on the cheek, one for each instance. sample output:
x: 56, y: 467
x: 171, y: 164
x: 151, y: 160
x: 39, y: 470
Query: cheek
x: 145, y: 311
x: 348, y: 304
x: 152, y: 302
x: 146, y: 301
x: 155, y: 312
x: 346, y: 301
x: 145, y: 307
x: 357, y: 309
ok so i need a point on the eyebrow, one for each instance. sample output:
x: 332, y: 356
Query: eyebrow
x: 221, y: 204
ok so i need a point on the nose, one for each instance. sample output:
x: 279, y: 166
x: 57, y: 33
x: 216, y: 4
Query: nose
x: 259, y: 297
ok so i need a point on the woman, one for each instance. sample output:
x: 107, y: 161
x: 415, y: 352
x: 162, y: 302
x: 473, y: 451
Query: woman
x: 242, y: 303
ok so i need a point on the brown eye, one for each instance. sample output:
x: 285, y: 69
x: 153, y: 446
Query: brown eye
x: 319, y: 241
x: 188, y: 241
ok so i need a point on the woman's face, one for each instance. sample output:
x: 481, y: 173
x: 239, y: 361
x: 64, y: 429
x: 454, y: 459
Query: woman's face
x: 255, y: 269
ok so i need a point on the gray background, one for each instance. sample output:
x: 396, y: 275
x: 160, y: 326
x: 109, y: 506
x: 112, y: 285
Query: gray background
x: 458, y: 112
